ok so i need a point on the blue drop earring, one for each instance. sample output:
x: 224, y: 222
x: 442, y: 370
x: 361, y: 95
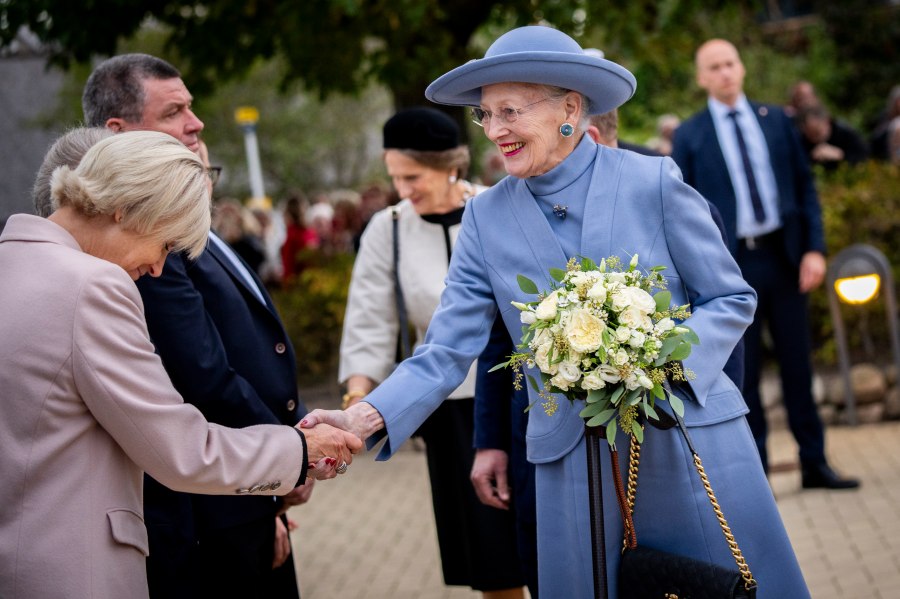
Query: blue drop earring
x: 566, y: 130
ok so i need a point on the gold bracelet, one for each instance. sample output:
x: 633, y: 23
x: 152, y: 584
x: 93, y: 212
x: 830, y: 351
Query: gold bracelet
x: 350, y: 396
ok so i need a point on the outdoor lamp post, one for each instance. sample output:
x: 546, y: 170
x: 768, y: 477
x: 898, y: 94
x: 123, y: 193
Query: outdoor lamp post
x: 855, y: 276
x: 246, y: 117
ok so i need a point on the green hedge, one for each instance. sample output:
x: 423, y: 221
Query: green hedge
x: 312, y: 309
x: 860, y: 204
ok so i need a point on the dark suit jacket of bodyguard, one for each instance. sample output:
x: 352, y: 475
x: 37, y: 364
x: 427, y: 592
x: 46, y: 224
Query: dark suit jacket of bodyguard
x: 229, y: 355
x: 703, y: 167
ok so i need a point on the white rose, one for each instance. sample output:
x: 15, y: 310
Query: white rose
x: 580, y: 278
x: 608, y: 373
x: 644, y: 381
x: 567, y: 375
x: 546, y: 310
x: 632, y: 317
x: 631, y: 382
x: 665, y: 325
x: 637, y: 339
x: 542, y: 359
x: 592, y: 381
x: 633, y: 296
x: 623, y: 334
x: 527, y: 317
x: 621, y: 358
x: 584, y: 331
x: 597, y: 292
x: 616, y: 277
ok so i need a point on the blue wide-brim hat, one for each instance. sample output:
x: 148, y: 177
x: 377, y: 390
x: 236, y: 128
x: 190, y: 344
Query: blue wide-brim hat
x: 541, y: 55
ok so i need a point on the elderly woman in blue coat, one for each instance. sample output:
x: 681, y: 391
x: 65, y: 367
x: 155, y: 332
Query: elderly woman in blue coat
x: 567, y: 196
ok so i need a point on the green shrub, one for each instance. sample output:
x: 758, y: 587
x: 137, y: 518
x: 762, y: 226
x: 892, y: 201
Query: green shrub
x: 312, y: 309
x: 859, y: 205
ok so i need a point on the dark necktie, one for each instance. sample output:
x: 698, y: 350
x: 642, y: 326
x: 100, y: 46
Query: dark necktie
x: 758, y: 211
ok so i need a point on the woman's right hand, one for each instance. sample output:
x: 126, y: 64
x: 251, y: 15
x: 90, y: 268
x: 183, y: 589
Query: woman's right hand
x: 329, y: 446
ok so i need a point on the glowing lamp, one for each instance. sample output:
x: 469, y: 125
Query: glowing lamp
x: 857, y: 290
x: 855, y: 277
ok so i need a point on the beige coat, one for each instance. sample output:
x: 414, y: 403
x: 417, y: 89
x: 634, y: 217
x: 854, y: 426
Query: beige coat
x: 85, y: 407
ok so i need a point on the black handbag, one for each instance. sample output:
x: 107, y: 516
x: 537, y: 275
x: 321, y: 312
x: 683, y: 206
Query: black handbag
x: 648, y: 573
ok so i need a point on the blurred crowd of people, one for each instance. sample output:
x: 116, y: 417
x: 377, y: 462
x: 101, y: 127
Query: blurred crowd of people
x: 280, y: 241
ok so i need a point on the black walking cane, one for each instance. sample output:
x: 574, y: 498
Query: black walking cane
x: 592, y: 438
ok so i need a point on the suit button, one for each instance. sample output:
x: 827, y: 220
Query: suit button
x: 280, y: 348
x: 291, y: 405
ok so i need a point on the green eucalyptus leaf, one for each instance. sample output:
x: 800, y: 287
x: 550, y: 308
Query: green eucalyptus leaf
x: 588, y: 264
x: 558, y: 274
x: 637, y: 431
x: 634, y: 397
x: 526, y: 284
x: 611, y: 429
x: 499, y: 366
x: 677, y: 404
x: 649, y: 412
x: 605, y: 415
x: 691, y: 336
x: 590, y: 410
x: 658, y: 391
x: 663, y: 299
x: 617, y: 394
x: 533, y: 383
x: 680, y: 353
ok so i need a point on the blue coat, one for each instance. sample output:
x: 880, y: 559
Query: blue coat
x: 637, y: 205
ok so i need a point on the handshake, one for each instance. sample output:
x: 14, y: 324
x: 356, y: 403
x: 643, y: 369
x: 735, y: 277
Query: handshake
x: 334, y: 436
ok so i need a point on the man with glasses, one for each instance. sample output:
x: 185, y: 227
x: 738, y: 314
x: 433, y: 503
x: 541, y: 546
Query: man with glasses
x: 226, y: 351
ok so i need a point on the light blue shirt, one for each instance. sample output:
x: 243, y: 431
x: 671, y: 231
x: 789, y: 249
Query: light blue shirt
x: 238, y: 264
x: 759, y: 159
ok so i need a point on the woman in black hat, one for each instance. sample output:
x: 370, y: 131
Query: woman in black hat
x: 426, y: 164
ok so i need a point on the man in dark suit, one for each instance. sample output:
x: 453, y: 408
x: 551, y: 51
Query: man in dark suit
x: 747, y: 160
x: 226, y: 351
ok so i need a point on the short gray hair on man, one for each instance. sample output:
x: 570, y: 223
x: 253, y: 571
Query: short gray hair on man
x: 159, y: 187
x: 116, y: 90
x: 68, y: 150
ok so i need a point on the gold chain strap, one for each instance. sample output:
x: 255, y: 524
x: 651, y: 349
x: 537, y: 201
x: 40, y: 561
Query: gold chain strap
x: 634, y: 459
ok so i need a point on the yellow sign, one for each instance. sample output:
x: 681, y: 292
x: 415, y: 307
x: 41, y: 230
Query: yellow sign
x: 246, y: 115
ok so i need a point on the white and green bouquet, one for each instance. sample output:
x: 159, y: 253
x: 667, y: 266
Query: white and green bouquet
x: 608, y: 335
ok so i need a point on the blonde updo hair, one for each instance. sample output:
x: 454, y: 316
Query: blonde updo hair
x: 160, y: 187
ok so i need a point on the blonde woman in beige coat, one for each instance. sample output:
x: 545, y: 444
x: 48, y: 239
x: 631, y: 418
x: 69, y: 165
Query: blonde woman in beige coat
x: 85, y: 404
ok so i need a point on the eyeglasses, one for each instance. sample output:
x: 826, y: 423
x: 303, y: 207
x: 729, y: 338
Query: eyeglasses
x: 507, y: 115
x: 214, y: 172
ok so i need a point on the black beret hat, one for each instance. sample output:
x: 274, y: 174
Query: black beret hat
x: 423, y: 129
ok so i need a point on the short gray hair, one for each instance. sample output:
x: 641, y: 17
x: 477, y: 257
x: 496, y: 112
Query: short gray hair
x: 159, y: 186
x: 116, y: 87
x: 68, y: 150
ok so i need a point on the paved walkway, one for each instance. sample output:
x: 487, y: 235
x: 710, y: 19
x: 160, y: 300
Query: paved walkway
x: 370, y: 535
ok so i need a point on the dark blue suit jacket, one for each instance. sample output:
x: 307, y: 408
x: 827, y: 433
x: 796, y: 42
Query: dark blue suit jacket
x: 228, y: 354
x: 697, y: 152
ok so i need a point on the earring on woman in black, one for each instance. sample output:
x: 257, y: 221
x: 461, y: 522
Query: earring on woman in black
x: 566, y: 130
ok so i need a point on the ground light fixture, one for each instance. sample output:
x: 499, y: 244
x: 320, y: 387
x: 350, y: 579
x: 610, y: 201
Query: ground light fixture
x: 857, y: 275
